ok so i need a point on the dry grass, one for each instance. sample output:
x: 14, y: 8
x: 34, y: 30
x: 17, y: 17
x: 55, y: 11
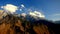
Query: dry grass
x: 13, y: 25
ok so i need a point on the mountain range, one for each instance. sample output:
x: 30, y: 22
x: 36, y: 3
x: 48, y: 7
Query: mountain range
x: 17, y: 24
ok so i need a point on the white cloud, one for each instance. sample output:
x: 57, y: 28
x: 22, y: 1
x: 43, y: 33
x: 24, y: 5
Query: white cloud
x: 10, y: 8
x: 56, y: 14
x: 54, y: 17
x: 29, y: 10
x: 1, y: 6
x: 23, y: 14
x: 20, y: 9
x: 37, y: 14
x: 22, y: 5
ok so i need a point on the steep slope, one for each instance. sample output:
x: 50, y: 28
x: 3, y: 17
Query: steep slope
x: 2, y: 13
x: 15, y: 25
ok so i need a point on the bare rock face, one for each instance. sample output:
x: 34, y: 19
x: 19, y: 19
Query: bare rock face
x: 2, y: 14
x: 14, y: 25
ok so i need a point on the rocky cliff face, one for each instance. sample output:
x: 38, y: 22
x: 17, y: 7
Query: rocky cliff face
x: 2, y: 14
x: 15, y: 25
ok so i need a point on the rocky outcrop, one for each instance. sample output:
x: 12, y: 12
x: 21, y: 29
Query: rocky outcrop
x: 15, y: 25
x: 2, y: 14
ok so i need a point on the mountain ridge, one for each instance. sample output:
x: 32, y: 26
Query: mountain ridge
x: 16, y: 25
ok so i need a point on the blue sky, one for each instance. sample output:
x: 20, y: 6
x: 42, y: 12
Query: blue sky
x: 50, y: 8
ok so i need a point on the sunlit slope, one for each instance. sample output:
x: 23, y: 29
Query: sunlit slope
x: 15, y: 25
x: 2, y: 14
